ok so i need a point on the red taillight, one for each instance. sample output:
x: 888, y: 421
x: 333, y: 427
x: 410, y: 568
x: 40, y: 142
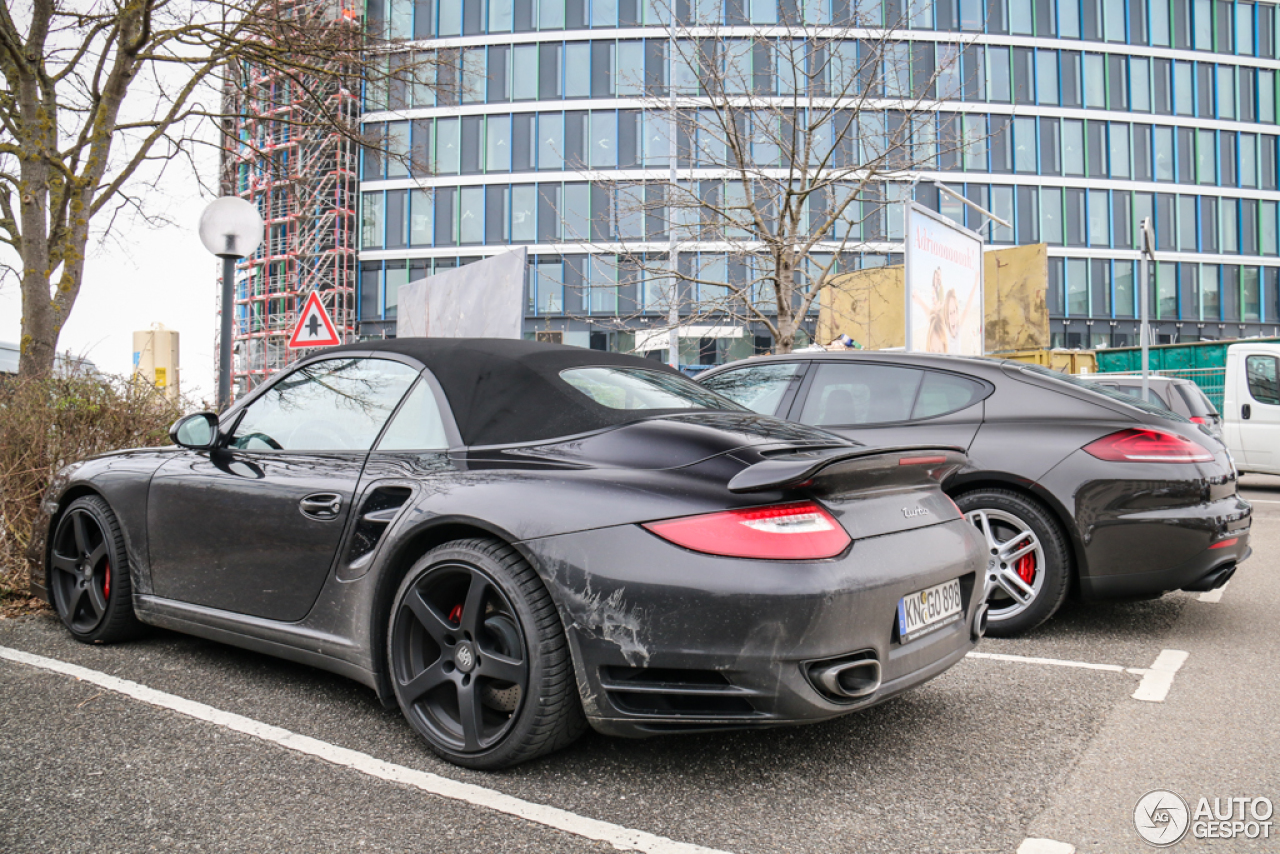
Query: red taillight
x: 801, y: 531
x: 1225, y: 544
x: 1199, y: 419
x: 1147, y: 445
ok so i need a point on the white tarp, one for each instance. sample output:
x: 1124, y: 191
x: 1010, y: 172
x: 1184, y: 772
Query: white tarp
x: 483, y: 299
x: 943, y: 264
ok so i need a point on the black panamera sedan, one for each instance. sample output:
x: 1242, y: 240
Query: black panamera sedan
x: 1068, y: 482
x: 511, y: 540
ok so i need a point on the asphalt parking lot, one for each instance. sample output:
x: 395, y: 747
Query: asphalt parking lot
x: 1043, y: 741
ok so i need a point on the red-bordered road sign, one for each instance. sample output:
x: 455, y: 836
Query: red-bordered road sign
x: 314, y: 328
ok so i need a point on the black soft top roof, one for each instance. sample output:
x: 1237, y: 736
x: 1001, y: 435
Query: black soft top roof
x: 507, y: 391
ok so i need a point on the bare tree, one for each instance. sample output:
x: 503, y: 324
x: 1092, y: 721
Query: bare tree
x: 792, y: 142
x: 97, y: 91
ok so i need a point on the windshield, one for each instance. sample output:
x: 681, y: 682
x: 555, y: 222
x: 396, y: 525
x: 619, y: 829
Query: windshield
x: 636, y: 389
x: 1118, y: 396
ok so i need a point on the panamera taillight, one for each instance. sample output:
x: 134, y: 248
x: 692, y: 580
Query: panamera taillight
x: 798, y: 531
x: 1148, y: 445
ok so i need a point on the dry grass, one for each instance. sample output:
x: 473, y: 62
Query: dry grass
x: 46, y: 424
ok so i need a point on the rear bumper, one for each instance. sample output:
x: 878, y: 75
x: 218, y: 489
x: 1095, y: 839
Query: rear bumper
x: 1144, y: 529
x: 1208, y: 570
x: 666, y: 640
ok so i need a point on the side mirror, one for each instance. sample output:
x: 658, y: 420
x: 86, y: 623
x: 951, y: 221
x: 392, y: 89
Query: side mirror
x: 199, y: 432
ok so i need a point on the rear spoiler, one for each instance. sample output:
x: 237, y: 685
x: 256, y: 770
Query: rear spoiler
x: 798, y: 468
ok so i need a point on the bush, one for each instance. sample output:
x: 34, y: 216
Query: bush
x: 46, y: 424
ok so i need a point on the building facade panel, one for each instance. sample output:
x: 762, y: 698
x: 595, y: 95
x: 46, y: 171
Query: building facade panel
x: 1072, y: 119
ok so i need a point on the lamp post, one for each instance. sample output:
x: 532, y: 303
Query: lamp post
x: 1148, y: 239
x: 230, y: 228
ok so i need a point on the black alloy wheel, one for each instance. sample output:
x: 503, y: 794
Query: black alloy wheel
x: 479, y: 660
x: 1027, y: 569
x: 89, y: 574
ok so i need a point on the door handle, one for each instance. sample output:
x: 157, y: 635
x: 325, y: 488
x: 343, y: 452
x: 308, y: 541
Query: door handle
x: 1245, y: 412
x: 322, y: 505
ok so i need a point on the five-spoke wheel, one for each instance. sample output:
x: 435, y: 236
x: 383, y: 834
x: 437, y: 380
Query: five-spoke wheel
x: 89, y: 573
x: 1026, y: 573
x: 478, y: 657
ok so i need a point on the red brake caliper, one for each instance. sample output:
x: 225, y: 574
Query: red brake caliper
x: 106, y: 584
x: 455, y: 616
x: 1027, y: 567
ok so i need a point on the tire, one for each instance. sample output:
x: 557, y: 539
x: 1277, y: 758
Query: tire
x: 478, y: 658
x: 1029, y: 564
x: 88, y: 574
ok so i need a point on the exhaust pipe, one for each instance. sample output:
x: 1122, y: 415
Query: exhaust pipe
x: 849, y: 678
x: 1215, y: 579
x: 980, y: 621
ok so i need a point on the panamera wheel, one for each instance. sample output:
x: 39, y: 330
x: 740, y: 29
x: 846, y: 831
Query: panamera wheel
x: 479, y: 660
x: 89, y: 574
x: 1026, y: 573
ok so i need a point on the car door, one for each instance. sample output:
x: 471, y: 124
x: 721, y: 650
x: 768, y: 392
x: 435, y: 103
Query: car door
x: 253, y: 526
x: 1259, y: 416
x: 883, y: 404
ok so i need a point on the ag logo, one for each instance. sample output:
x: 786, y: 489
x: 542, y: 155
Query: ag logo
x: 1161, y: 817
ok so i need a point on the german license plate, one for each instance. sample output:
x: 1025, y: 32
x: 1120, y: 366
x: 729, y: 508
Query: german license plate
x: 929, y: 610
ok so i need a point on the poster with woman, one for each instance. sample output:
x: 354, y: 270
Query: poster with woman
x: 943, y: 271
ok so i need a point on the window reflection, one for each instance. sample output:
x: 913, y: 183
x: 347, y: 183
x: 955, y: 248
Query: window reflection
x: 331, y: 405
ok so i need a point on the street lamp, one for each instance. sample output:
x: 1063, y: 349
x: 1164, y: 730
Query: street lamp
x: 230, y: 228
x: 1148, y: 240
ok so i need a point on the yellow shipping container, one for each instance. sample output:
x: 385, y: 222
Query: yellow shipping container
x: 1067, y: 361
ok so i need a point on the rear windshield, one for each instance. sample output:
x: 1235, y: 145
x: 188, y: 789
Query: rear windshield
x: 637, y: 389
x: 1118, y: 396
x: 1197, y: 401
x: 1135, y: 391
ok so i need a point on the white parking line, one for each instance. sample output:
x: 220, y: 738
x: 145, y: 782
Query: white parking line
x: 1214, y: 595
x: 622, y: 838
x: 1262, y: 500
x: 1156, y: 679
x: 1045, y: 846
x: 1056, y: 662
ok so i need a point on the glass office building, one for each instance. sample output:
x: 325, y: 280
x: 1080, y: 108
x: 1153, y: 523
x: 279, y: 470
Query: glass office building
x: 1086, y: 117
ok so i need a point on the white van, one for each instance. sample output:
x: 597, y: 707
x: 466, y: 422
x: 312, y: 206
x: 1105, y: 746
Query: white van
x: 1251, y: 406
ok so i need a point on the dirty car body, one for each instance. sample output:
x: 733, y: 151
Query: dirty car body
x: 474, y: 528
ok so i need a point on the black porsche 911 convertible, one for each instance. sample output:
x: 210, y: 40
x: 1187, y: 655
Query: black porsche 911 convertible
x: 511, y: 540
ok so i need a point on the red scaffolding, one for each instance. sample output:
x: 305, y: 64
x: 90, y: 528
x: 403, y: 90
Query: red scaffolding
x: 299, y: 170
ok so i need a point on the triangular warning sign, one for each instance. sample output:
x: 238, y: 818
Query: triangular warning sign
x: 314, y: 328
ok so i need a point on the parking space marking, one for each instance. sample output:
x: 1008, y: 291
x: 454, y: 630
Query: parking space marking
x: 1045, y: 846
x: 1261, y: 500
x: 1056, y: 662
x: 1156, y: 679
x: 1214, y: 595
x: 621, y: 838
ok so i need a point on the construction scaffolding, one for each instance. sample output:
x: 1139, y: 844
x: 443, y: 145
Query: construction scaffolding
x: 286, y: 155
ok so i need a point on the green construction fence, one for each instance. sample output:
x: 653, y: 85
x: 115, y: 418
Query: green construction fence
x: 1204, y: 363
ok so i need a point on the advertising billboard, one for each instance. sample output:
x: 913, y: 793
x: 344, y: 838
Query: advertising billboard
x: 944, y: 294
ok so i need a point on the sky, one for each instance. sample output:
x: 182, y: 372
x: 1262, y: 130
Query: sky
x: 139, y: 272
x: 142, y: 274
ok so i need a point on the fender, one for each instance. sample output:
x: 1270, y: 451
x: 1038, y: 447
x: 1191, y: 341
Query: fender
x: 122, y: 478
